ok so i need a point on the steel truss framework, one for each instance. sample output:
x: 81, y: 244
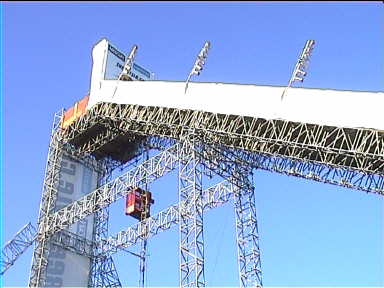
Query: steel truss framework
x: 144, y: 242
x: 211, y: 198
x: 74, y: 243
x: 291, y: 167
x: 229, y: 145
x: 246, y: 226
x: 247, y: 235
x: 103, y: 271
x: 26, y: 237
x: 191, y: 217
x: 65, y: 239
x: 148, y: 171
x: 14, y: 248
x: 351, y: 149
x: 40, y: 255
x: 192, y: 204
x: 216, y: 157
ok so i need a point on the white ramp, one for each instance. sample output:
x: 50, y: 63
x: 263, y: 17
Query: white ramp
x: 316, y: 106
x: 338, y: 108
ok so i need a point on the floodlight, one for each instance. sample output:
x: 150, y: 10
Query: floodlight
x: 199, y: 63
x: 298, y: 79
x: 198, y: 67
x: 299, y: 72
x: 132, y: 54
x: 124, y: 75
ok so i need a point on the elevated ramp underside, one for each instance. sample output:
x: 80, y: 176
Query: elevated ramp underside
x: 359, y: 149
x: 108, y: 125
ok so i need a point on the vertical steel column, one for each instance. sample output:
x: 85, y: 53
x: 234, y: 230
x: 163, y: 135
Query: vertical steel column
x: 17, y: 246
x: 191, y: 217
x: 143, y: 251
x: 143, y: 261
x: 47, y: 205
x: 103, y: 271
x: 247, y: 230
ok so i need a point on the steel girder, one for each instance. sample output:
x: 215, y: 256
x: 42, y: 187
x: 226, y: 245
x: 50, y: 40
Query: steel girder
x: 293, y: 167
x: 58, y: 150
x: 191, y: 217
x: 212, y: 197
x: 27, y: 235
x: 153, y: 168
x: 241, y: 191
x: 17, y: 246
x: 103, y: 272
x: 288, y: 166
x: 247, y: 231
x: 358, y: 149
x: 49, y: 194
x: 222, y: 158
x: 296, y: 165
x: 236, y: 170
x: 149, y: 171
x: 74, y: 243
x: 350, y: 157
x: 144, y: 241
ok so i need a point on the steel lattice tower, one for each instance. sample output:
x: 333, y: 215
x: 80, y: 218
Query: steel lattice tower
x: 191, y: 217
x: 196, y: 143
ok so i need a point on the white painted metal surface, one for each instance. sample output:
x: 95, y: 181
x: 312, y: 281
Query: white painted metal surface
x: 318, y: 106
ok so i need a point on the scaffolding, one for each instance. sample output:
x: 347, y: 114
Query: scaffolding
x: 197, y: 144
x: 14, y: 248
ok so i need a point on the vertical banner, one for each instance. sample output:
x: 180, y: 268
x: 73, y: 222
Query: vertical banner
x: 66, y: 268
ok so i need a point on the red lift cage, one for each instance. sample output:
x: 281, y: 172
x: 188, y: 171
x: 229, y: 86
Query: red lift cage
x: 135, y: 201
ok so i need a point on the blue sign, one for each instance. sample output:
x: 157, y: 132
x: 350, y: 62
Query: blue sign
x: 115, y: 64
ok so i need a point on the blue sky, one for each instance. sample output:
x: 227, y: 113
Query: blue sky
x: 312, y: 234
